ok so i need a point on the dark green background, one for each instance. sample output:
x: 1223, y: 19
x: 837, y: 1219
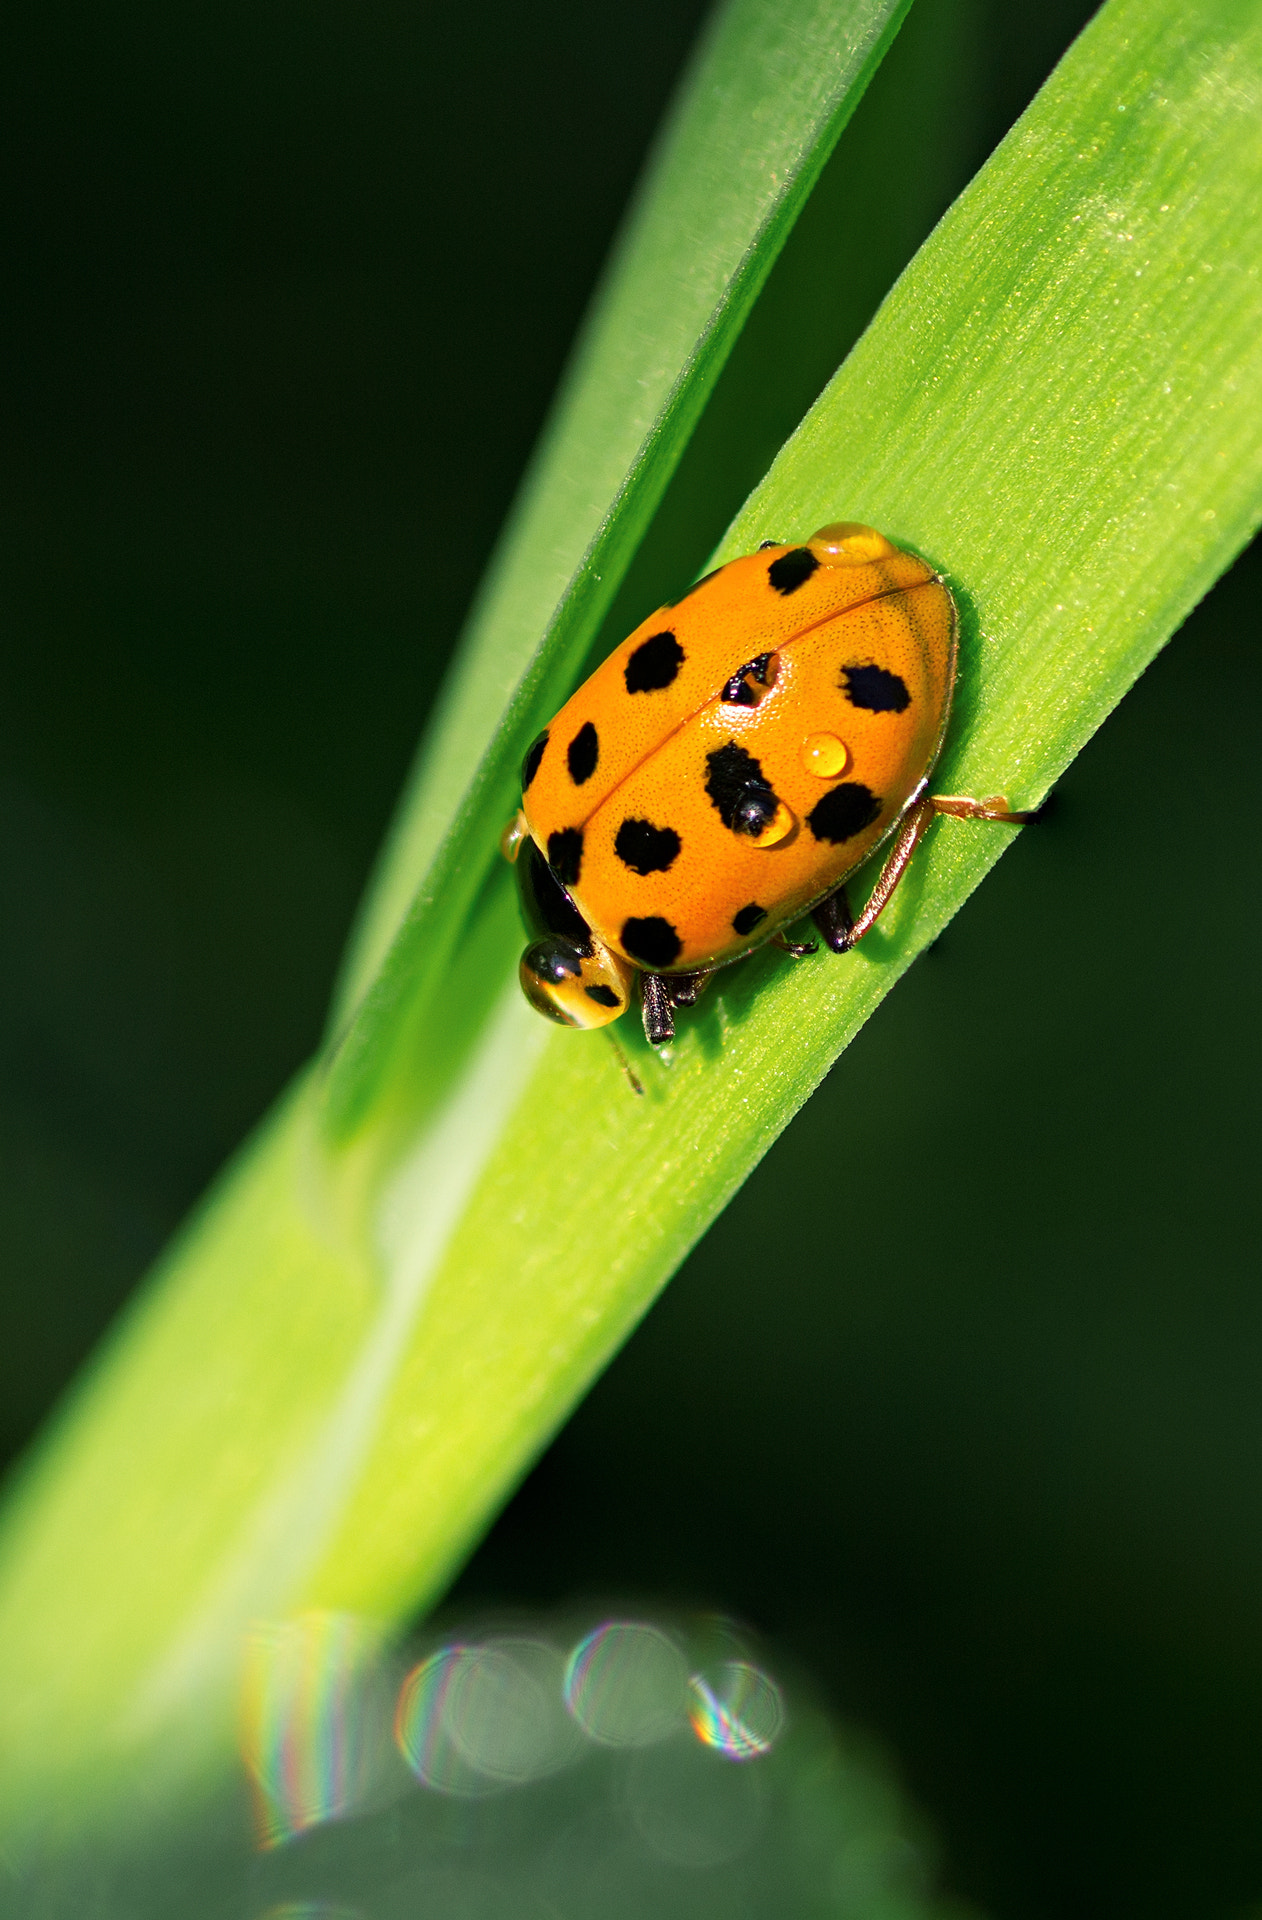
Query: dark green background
x: 288, y: 291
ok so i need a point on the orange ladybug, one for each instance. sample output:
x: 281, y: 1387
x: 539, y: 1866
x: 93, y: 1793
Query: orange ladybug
x: 728, y: 767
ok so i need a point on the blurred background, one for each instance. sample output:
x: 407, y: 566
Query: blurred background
x: 288, y: 291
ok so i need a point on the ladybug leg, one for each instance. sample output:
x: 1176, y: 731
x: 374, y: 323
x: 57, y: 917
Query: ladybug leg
x: 684, y: 988
x: 798, y: 948
x: 891, y: 873
x: 835, y: 921
x: 960, y: 807
x: 832, y: 915
x: 659, y: 1017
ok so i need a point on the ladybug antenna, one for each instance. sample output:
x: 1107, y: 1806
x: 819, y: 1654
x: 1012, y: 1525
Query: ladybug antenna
x: 624, y: 1063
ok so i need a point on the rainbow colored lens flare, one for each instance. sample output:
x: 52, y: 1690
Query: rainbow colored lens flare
x: 738, y: 1710
x: 420, y: 1720
x: 312, y: 1910
x: 304, y: 1732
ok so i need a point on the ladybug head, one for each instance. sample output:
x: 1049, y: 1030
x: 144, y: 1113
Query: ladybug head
x: 566, y: 972
x: 586, y: 987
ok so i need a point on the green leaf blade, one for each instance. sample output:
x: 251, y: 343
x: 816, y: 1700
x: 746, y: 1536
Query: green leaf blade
x: 1053, y: 407
x: 771, y: 87
x: 1067, y: 421
x: 1127, y: 379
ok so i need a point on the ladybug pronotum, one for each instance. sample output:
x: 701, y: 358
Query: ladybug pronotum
x: 728, y: 767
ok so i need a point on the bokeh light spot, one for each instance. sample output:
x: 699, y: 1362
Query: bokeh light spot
x: 472, y: 1718
x: 627, y: 1685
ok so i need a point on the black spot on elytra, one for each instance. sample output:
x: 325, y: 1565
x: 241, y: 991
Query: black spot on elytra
x: 843, y: 812
x: 652, y: 941
x: 654, y: 664
x: 740, y: 790
x: 792, y: 570
x: 646, y: 848
x: 748, y: 918
x: 565, y: 854
x: 582, y: 754
x: 875, y: 689
x: 534, y: 754
x: 547, y: 907
x: 603, y: 996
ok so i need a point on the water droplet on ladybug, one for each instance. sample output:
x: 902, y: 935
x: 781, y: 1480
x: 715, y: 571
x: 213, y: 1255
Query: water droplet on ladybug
x: 824, y: 755
x: 514, y: 836
x: 778, y: 828
x: 848, y: 543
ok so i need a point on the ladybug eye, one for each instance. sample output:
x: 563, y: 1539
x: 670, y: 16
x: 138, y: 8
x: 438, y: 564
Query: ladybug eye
x: 553, y: 963
x: 573, y: 988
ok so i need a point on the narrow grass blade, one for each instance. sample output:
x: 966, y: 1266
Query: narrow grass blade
x: 770, y: 89
x: 361, y: 1345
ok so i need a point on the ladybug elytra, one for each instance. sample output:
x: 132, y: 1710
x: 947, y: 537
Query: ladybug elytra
x: 728, y: 767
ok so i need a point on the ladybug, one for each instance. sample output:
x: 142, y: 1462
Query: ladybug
x: 726, y: 770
